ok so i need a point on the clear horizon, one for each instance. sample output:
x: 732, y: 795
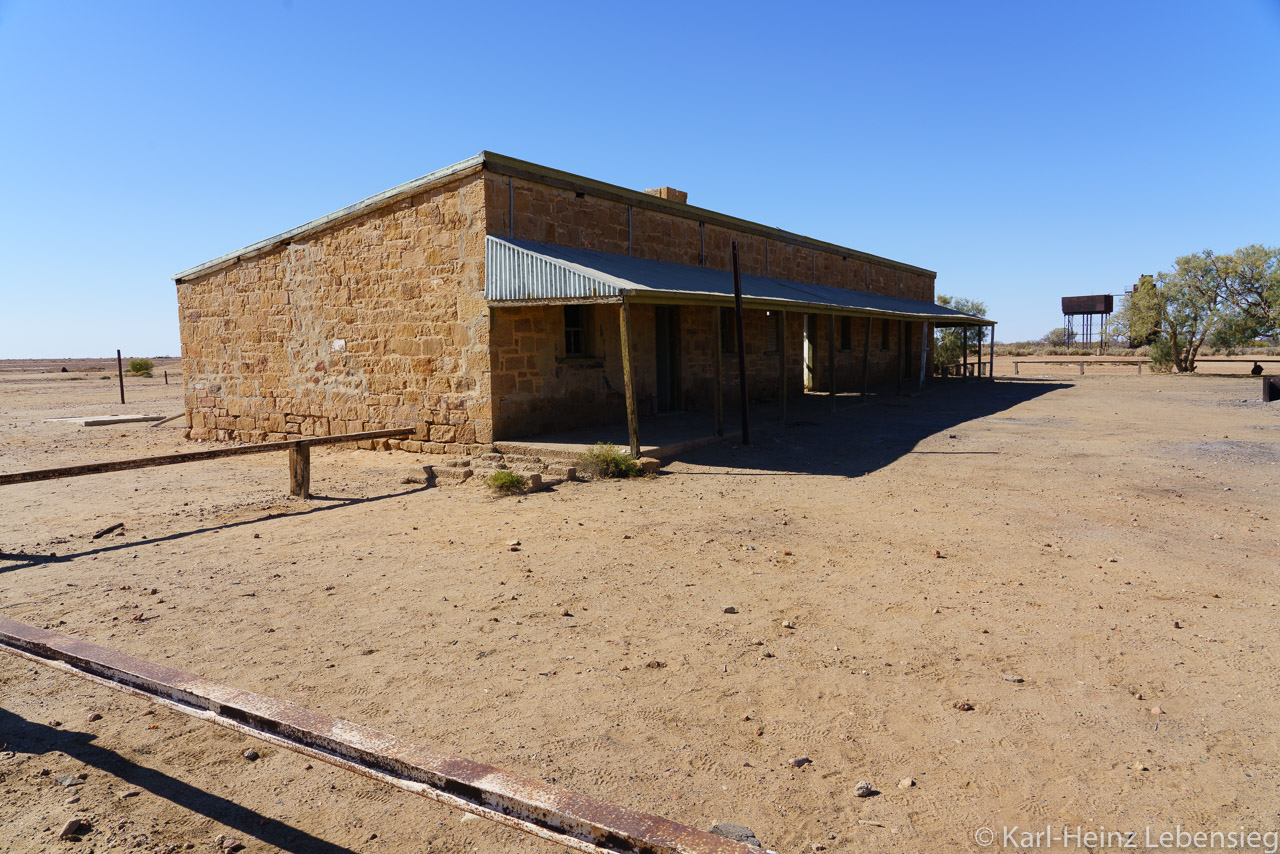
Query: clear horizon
x: 1024, y: 152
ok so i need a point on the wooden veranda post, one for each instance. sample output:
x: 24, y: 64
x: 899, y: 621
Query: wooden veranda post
x: 902, y: 352
x: 717, y: 347
x: 866, y: 362
x: 991, y: 359
x: 981, y: 335
x: 831, y: 360
x: 924, y: 350
x: 742, y: 348
x: 964, y: 352
x: 300, y: 470
x: 628, y: 382
x: 782, y: 365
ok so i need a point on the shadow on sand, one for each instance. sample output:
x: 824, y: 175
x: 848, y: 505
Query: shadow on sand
x: 859, y: 439
x: 26, y: 559
x: 25, y: 736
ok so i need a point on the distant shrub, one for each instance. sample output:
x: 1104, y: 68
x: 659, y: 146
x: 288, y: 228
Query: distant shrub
x: 1161, y: 355
x: 604, y: 460
x: 141, y: 366
x: 507, y: 482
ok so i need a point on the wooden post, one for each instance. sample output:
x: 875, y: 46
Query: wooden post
x: 902, y: 351
x: 981, y: 335
x: 717, y: 336
x: 964, y: 351
x: 300, y: 470
x: 742, y: 346
x: 628, y: 382
x: 1082, y: 369
x: 120, y: 372
x: 924, y: 351
x: 991, y: 357
x: 166, y: 377
x: 831, y: 360
x: 866, y: 362
x: 782, y: 365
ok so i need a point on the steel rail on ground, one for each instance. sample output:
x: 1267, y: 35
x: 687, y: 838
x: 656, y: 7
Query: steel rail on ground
x: 574, y: 820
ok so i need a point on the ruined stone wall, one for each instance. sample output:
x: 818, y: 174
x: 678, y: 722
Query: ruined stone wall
x: 377, y: 322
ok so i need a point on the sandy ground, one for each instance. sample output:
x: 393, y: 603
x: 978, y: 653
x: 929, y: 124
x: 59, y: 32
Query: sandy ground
x: 1111, y: 540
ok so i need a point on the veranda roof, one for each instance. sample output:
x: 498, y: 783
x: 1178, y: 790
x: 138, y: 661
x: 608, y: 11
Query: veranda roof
x: 521, y: 272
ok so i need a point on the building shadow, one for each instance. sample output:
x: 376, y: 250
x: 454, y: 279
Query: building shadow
x: 858, y: 439
x: 25, y: 560
x: 24, y: 736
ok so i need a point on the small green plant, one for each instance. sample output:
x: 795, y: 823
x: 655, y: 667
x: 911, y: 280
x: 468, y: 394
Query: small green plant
x: 604, y: 460
x: 141, y: 366
x: 1161, y: 355
x: 506, y: 482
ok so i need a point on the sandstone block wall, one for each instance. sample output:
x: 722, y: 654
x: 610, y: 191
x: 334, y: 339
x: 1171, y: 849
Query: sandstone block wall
x: 537, y: 389
x: 376, y: 322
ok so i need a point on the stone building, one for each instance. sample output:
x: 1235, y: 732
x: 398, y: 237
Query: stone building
x: 489, y: 300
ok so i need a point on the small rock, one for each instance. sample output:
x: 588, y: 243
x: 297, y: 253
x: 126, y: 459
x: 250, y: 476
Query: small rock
x: 74, y: 799
x: 1156, y: 710
x: 132, y: 793
x: 800, y: 761
x: 787, y: 624
x: 757, y: 642
x: 94, y: 716
x: 1138, y: 766
x: 68, y: 780
x: 906, y: 783
x: 513, y: 548
x: 937, y: 554
x: 514, y: 543
x: 1012, y: 677
x: 566, y: 613
x: 55, y: 723
x: 863, y: 790
x: 232, y: 844
x: 817, y: 846
x: 729, y: 609
x: 251, y: 755
x: 655, y: 664
x: 737, y: 833
x: 963, y: 706
x: 74, y: 827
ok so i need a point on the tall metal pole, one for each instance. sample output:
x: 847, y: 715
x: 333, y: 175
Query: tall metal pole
x: 742, y: 347
x: 120, y: 372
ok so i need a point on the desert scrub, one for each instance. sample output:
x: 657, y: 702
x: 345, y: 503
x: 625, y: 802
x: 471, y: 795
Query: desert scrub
x: 506, y: 482
x: 604, y: 460
x: 141, y: 366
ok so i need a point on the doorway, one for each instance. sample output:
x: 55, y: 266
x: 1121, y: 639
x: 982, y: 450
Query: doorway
x: 667, y: 348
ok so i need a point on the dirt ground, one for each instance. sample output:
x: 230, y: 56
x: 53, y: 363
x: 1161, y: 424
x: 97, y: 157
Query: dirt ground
x: 1109, y: 539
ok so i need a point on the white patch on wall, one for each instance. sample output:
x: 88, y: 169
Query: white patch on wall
x: 339, y: 344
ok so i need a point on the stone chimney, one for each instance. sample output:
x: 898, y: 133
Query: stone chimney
x: 670, y: 193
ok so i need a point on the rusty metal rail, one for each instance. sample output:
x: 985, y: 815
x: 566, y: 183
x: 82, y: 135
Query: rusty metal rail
x: 299, y: 459
x: 570, y: 819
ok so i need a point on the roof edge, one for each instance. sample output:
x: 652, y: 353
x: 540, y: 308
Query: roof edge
x: 351, y: 211
x: 504, y: 165
x: 514, y: 167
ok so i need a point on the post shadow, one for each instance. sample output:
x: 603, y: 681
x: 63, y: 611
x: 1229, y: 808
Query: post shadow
x: 26, y: 736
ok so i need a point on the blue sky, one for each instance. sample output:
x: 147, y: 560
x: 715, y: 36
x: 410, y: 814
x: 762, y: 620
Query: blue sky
x: 1023, y: 150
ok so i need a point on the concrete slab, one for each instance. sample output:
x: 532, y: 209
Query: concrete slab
x: 107, y: 420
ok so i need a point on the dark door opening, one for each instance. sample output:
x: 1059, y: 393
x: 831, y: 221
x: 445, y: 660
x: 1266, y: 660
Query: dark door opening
x: 667, y: 349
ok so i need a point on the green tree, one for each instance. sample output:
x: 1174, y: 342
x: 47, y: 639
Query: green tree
x: 1138, y: 320
x: 1059, y: 337
x: 1250, y: 279
x: 949, y: 344
x: 1190, y: 304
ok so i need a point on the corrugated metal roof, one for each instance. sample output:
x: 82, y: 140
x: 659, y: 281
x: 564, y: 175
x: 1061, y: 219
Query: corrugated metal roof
x: 521, y: 270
